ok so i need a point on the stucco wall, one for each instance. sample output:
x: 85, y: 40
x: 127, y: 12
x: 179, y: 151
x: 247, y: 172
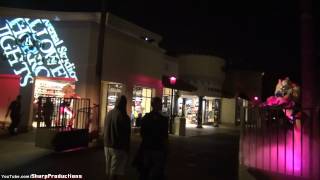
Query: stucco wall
x: 243, y: 83
x: 126, y: 56
x: 205, y: 72
x: 228, y: 110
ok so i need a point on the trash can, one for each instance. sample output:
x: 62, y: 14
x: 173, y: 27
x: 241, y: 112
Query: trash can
x: 180, y: 126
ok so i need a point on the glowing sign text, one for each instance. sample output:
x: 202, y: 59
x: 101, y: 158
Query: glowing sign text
x: 33, y: 48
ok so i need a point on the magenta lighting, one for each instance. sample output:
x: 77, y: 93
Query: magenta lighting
x: 173, y: 80
x: 256, y: 98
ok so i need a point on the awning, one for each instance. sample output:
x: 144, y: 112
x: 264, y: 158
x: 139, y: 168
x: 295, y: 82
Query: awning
x: 179, y: 85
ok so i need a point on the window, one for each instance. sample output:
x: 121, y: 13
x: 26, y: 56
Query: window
x: 141, y: 100
x: 114, y: 91
x: 166, y: 100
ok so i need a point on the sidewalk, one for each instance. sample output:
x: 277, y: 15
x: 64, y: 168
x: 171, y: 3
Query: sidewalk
x: 203, y: 154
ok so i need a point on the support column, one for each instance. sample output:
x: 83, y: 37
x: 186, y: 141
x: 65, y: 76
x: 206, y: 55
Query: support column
x: 99, y: 64
x: 171, y: 113
x: 175, y: 103
x: 183, y: 107
x: 308, y: 59
x: 199, y: 115
x: 310, y: 85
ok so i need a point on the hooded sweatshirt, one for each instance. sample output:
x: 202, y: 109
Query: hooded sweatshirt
x: 117, y: 130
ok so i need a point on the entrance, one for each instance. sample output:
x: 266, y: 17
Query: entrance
x: 210, y: 109
x: 167, y: 97
x: 190, y: 109
x: 49, y: 96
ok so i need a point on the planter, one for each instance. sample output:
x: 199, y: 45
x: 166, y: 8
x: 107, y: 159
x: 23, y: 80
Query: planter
x: 61, y: 139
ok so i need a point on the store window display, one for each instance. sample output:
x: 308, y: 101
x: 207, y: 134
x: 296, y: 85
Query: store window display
x: 190, y: 108
x: 141, y: 100
x: 211, y: 110
x: 114, y: 91
x: 60, y: 93
x: 166, y: 101
x: 189, y: 105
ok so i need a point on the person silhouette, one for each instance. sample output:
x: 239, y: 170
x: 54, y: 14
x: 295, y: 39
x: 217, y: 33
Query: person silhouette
x: 117, y: 131
x: 151, y: 157
x: 138, y: 120
x: 48, y: 111
x: 15, y: 112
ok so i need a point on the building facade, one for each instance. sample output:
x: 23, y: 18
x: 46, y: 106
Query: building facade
x: 61, y: 47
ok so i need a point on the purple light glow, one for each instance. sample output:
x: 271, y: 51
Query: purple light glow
x: 282, y: 152
x: 256, y: 98
x: 173, y: 80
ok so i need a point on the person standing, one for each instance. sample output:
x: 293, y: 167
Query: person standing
x: 138, y: 120
x: 15, y: 112
x: 48, y: 111
x: 117, y: 131
x: 154, y: 145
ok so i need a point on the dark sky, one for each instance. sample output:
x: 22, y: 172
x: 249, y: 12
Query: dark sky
x: 263, y: 35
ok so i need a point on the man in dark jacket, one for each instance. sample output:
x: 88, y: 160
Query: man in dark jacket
x: 117, y: 131
x: 154, y: 133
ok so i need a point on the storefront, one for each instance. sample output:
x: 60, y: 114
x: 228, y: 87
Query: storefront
x: 48, y: 94
x: 48, y: 55
x: 141, y: 100
x: 188, y: 106
x: 114, y: 90
x: 168, y: 96
x: 211, y: 110
x: 139, y: 69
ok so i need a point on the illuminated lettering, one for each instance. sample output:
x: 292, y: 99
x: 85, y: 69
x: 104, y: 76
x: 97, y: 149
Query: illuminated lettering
x: 47, y: 48
x: 18, y: 27
x: 32, y: 48
x: 59, y: 71
x: 13, y: 56
x: 63, y: 52
x: 25, y: 74
x: 69, y: 66
x: 35, y: 25
x: 42, y: 71
x: 6, y: 30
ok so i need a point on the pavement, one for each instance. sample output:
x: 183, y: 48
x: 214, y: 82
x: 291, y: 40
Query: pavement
x: 205, y: 154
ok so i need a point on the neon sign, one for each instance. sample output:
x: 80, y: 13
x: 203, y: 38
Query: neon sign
x: 33, y: 48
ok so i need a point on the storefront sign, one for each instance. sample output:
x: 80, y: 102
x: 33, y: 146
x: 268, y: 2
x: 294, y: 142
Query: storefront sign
x: 32, y: 48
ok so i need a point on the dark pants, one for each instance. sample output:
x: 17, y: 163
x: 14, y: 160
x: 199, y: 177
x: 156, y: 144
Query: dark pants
x: 15, y: 120
x: 47, y: 120
x: 153, y: 165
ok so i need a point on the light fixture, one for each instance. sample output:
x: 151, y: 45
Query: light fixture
x: 56, y: 18
x: 173, y: 80
x: 147, y: 39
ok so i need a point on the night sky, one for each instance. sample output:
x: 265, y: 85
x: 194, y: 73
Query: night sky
x: 260, y: 35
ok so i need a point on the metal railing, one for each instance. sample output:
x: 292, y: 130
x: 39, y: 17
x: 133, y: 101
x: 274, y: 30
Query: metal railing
x: 274, y: 142
x: 71, y: 113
